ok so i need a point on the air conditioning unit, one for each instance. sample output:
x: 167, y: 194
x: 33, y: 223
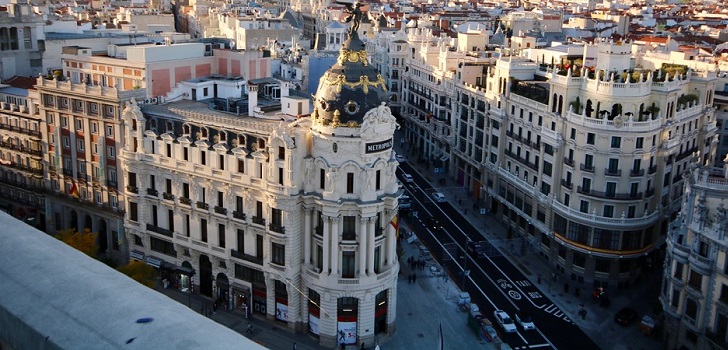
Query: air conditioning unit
x: 155, y: 100
x: 147, y: 101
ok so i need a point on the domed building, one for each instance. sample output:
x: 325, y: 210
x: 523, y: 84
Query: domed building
x: 353, y: 249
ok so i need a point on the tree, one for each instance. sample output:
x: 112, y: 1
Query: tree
x: 84, y: 242
x: 140, y: 272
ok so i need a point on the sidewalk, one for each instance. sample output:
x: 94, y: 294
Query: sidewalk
x: 599, y: 323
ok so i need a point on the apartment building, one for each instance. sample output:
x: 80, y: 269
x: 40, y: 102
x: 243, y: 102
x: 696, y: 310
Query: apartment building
x: 22, y: 40
x: 694, y: 292
x: 22, y: 189
x: 281, y: 213
x: 587, y: 163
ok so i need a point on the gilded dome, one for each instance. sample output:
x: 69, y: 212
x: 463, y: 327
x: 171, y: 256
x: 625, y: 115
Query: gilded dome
x: 350, y: 88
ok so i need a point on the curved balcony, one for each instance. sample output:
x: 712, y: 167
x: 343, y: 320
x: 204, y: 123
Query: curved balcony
x: 624, y: 124
x: 701, y: 264
x: 610, y: 195
x: 587, y: 218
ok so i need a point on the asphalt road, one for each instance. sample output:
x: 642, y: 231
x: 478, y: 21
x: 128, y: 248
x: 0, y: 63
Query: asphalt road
x: 493, y: 281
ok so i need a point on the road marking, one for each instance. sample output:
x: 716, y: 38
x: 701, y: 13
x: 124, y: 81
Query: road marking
x: 534, y: 295
x: 522, y: 283
x: 554, y: 310
x: 513, y: 294
x: 522, y: 338
x: 535, y: 346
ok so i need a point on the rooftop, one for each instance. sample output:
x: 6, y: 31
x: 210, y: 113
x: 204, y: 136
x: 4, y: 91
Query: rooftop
x: 55, y: 297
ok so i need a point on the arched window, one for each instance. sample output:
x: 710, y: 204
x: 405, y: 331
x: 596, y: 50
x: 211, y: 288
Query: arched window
x: 223, y: 136
x: 589, y: 108
x: 186, y: 130
x: 616, y: 110
x: 561, y: 104
x: 553, y: 103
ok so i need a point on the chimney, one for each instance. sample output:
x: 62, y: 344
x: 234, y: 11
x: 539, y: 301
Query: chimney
x: 252, y: 98
x: 285, y: 88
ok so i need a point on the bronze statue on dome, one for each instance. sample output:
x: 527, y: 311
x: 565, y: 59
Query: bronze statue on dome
x: 353, y: 9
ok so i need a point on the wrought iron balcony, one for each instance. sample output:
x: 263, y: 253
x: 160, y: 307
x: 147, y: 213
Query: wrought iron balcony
x: 276, y: 228
x: 567, y: 184
x: 247, y: 257
x: 569, y: 162
x: 239, y: 215
x: 168, y: 196
x: 652, y: 170
x: 132, y: 189
x: 152, y: 192
x: 258, y: 220
x: 637, y: 172
x: 185, y: 201
x: 220, y: 210
x: 161, y: 231
x: 610, y: 195
x: 588, y: 168
x: 612, y: 172
x: 203, y: 205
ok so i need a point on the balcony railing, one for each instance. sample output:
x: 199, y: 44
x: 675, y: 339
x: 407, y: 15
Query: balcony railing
x: 168, y: 196
x: 185, y: 201
x: 610, y: 195
x: 203, y: 205
x: 258, y: 220
x: 275, y: 227
x: 239, y: 215
x: 567, y: 184
x: 247, y: 257
x: 569, y: 162
x: 132, y: 189
x: 612, y: 172
x: 637, y: 172
x: 650, y: 192
x: 220, y: 210
x: 652, y: 170
x: 152, y: 192
x: 587, y: 168
x: 161, y: 231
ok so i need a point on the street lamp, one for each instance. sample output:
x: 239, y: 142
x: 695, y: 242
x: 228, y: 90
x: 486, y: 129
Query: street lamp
x: 465, y: 262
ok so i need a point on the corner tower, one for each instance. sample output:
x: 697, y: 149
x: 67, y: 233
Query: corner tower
x: 351, y: 197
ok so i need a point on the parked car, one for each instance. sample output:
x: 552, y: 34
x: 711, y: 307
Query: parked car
x: 399, y: 158
x: 407, y: 178
x: 433, y: 224
x: 625, y: 316
x: 438, y: 197
x: 524, y: 319
x: 405, y: 202
x: 504, y: 321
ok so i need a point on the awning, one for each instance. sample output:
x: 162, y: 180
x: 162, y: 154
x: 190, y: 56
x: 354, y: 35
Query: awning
x: 135, y: 254
x: 185, y: 270
x: 154, y: 261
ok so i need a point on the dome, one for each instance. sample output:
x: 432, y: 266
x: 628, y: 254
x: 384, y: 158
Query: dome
x: 350, y: 88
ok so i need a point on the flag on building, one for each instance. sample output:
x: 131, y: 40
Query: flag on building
x: 395, y: 224
x: 74, y: 189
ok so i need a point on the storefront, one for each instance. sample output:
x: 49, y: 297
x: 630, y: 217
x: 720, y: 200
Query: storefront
x: 380, y: 312
x: 241, y: 299
x: 346, y: 315
x: 136, y: 255
x: 314, y: 312
x: 259, y: 299
x: 281, y: 301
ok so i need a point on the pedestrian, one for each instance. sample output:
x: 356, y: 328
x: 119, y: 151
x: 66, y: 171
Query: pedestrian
x: 250, y: 328
x: 414, y: 278
x: 295, y: 346
x: 362, y: 345
x: 214, y: 307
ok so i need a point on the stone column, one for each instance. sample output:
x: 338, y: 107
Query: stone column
x: 335, y: 245
x: 363, y: 225
x: 307, y: 236
x: 326, y: 245
x: 391, y: 243
x: 370, y: 245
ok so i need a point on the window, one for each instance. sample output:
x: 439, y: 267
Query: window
x: 133, y: 214
x: 221, y: 161
x: 348, y: 260
x: 185, y: 153
x: 547, y: 168
x: 241, y: 166
x: 203, y: 157
x: 349, y: 228
x: 545, y: 188
x: 584, y: 206
x: 203, y: 230
x: 66, y: 142
x: 349, y: 182
x: 572, y: 135
x: 639, y: 142
x: 79, y: 125
x: 109, y: 130
x: 590, y: 138
x: 221, y: 235
x: 613, y: 165
x: 608, y: 211
x: 79, y: 145
x: 94, y: 127
x: 111, y: 151
x: 322, y: 179
x: 691, y: 308
x: 695, y: 280
x: 378, y: 180
x: 601, y: 265
x: 281, y: 153
x: 278, y: 254
x: 579, y: 259
x: 169, y: 150
x: 589, y: 161
x: 616, y: 142
x: 241, y: 241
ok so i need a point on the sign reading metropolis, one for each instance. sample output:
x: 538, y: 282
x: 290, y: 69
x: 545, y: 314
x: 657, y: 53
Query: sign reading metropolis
x: 374, y: 147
